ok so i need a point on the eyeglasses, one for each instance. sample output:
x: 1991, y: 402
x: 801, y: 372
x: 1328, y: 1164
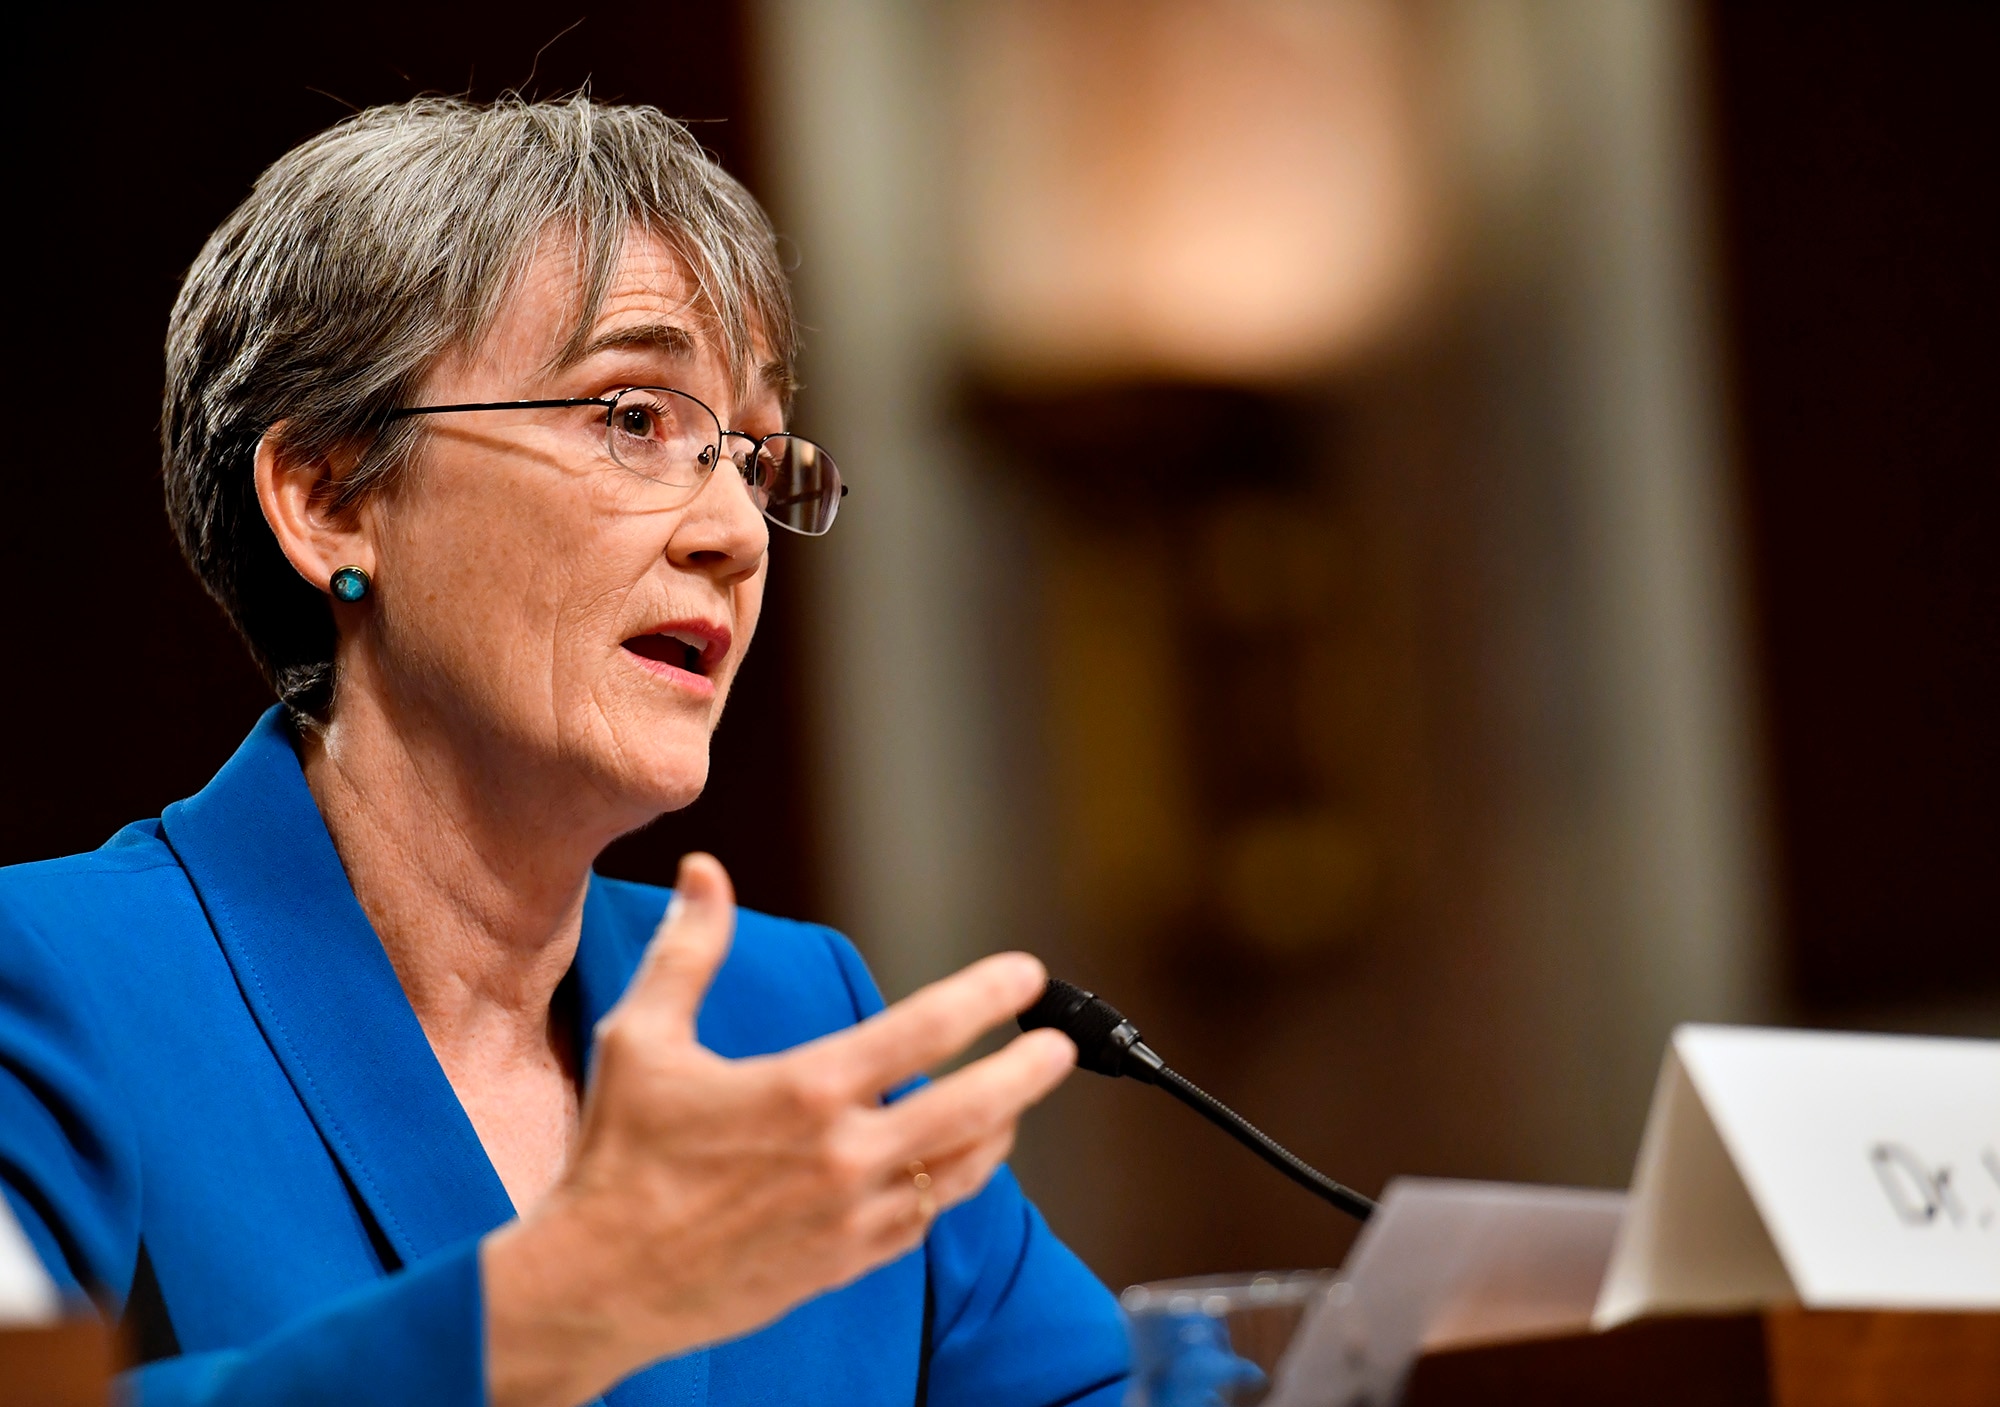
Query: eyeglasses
x: 671, y: 438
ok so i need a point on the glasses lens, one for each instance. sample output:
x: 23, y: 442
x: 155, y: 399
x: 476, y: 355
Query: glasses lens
x: 664, y: 436
x: 796, y: 484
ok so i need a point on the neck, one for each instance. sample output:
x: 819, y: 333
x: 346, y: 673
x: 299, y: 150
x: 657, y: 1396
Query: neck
x: 473, y: 882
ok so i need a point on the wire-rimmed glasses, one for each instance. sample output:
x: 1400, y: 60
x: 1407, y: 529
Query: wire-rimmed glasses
x: 671, y: 438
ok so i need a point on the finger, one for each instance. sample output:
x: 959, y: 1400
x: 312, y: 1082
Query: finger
x: 929, y: 1026
x: 898, y: 1216
x: 971, y: 1103
x: 965, y: 1175
x: 687, y: 948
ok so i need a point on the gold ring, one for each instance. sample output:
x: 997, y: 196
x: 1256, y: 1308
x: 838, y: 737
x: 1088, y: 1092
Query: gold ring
x: 920, y: 1178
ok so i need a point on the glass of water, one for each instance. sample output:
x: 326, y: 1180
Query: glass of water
x: 1215, y: 1341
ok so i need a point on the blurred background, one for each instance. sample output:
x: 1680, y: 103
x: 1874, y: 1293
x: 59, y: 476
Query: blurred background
x: 1413, y: 544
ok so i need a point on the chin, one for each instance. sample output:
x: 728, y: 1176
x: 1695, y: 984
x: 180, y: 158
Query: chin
x: 663, y: 770
x: 651, y: 740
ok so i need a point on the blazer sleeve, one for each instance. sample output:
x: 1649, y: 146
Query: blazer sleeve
x: 411, y: 1338
x: 1019, y: 1320
x: 68, y: 1156
x: 69, y: 1169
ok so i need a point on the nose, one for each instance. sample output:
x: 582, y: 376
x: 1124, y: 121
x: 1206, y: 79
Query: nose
x: 721, y: 532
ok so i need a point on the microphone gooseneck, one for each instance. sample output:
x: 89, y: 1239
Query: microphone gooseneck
x: 1108, y: 1044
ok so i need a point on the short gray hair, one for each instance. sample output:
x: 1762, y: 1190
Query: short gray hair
x: 368, y: 254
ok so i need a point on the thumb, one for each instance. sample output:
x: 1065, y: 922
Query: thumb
x: 687, y: 947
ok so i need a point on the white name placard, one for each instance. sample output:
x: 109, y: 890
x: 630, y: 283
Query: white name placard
x: 27, y: 1295
x: 1832, y: 1170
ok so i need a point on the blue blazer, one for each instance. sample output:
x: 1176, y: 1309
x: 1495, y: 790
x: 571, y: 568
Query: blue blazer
x: 219, y: 1116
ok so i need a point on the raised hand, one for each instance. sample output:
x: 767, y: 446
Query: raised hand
x: 709, y: 1196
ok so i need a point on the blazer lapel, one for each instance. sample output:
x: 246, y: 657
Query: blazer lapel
x: 319, y: 985
x: 607, y: 954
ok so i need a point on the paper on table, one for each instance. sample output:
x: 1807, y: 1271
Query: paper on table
x: 27, y: 1295
x: 1444, y: 1262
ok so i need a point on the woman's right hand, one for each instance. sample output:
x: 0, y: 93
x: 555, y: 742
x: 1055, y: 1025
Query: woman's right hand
x: 709, y: 1196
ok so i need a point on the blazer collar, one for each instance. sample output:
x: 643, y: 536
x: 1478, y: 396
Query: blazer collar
x: 320, y: 986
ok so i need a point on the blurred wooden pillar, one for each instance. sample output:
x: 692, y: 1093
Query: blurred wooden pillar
x: 1536, y: 703
x: 911, y: 793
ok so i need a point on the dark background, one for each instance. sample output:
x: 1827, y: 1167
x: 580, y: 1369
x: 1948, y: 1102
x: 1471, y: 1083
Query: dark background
x: 1855, y: 157
x: 1858, y: 157
x: 127, y: 686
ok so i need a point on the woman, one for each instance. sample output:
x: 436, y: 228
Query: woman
x: 346, y: 1080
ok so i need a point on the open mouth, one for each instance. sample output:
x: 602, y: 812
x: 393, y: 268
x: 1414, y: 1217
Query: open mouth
x: 696, y: 650
x: 681, y: 648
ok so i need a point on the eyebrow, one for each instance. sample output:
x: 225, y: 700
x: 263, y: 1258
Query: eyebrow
x: 644, y: 337
x: 777, y: 376
x: 673, y: 341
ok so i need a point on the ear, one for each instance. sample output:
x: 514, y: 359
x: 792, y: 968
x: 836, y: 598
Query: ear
x: 296, y: 494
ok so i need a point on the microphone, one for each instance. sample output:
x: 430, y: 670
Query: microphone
x: 1109, y: 1044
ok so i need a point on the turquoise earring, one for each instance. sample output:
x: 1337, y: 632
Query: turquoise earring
x: 349, y: 584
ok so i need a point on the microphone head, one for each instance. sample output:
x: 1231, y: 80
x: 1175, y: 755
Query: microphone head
x: 1102, y: 1035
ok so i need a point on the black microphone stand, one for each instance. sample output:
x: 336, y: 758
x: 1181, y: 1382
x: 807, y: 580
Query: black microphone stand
x: 1263, y: 1145
x: 1110, y: 1045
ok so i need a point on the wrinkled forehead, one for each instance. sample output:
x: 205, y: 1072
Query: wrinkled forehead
x: 571, y: 296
